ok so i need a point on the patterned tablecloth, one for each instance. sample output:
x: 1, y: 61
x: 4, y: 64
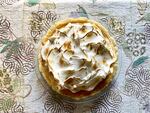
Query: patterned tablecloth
x: 23, y: 23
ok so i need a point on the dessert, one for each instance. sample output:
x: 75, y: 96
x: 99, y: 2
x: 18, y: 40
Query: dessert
x: 78, y: 58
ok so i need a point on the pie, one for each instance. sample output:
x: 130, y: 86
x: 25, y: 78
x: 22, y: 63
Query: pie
x: 78, y: 58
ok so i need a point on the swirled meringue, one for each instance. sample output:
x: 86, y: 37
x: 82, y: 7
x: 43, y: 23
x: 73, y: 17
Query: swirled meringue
x: 78, y: 56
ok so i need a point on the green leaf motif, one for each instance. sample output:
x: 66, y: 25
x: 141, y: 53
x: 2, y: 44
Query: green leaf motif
x: 33, y: 2
x: 6, y: 48
x: 82, y: 12
x: 11, y: 47
x: 5, y: 41
x: 139, y: 61
x: 146, y: 17
x: 126, y: 50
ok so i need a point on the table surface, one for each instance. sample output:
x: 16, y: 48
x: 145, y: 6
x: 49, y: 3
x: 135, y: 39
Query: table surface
x: 23, y: 23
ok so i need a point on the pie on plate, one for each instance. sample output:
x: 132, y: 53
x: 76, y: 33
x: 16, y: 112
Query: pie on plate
x: 78, y: 58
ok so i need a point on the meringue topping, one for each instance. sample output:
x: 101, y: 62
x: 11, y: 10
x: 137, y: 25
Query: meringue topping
x: 79, y: 56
